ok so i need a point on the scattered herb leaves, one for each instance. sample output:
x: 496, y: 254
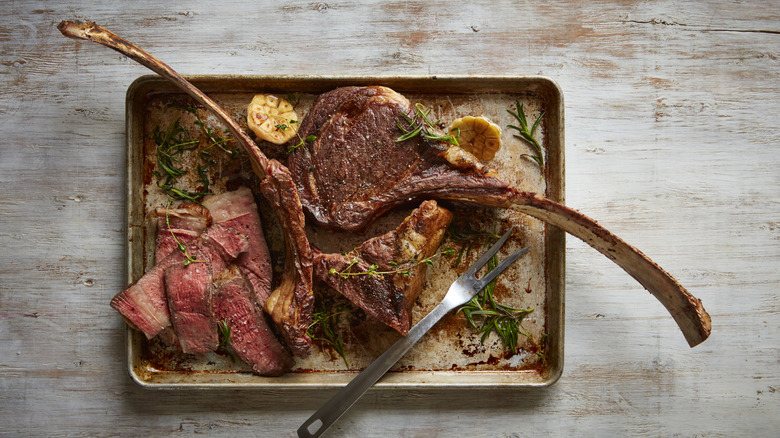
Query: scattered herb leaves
x: 323, y: 328
x: 301, y: 143
x: 420, y: 123
x: 483, y: 312
x: 399, y: 268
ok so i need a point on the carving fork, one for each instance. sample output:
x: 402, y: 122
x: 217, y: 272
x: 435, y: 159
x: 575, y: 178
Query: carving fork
x: 461, y: 291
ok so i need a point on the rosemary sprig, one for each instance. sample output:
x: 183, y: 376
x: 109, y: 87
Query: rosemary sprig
x: 468, y: 238
x: 399, y: 268
x: 224, y: 331
x: 526, y: 134
x: 420, y: 124
x: 483, y: 312
x: 326, y: 322
x: 171, y: 145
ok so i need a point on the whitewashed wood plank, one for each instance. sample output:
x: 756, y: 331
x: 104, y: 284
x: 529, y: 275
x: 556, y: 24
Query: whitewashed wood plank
x: 671, y: 137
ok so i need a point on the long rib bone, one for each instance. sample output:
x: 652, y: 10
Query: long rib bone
x: 457, y: 175
x: 290, y: 304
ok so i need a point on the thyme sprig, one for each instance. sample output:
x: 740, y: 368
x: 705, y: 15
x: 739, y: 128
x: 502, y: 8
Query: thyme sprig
x: 420, y: 123
x: 301, y: 143
x: 219, y: 142
x: 528, y: 135
x: 325, y: 322
x: 373, y: 270
x: 188, y: 258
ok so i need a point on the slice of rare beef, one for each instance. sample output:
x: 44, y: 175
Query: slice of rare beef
x: 237, y: 209
x: 355, y: 170
x: 180, y: 225
x: 188, y: 286
x: 401, y: 253
x: 250, y: 336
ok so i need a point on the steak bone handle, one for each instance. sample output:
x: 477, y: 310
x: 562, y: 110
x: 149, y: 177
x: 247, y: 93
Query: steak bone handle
x: 94, y: 32
x: 687, y: 310
x: 290, y: 305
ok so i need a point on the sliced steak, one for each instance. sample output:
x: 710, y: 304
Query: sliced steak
x: 237, y: 210
x: 180, y: 225
x: 355, y: 170
x: 250, y: 336
x: 400, y: 253
x: 189, y: 288
x: 291, y: 303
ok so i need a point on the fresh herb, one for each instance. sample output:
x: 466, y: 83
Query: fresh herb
x: 326, y: 322
x: 219, y: 142
x: 468, y: 239
x: 483, y: 312
x: 223, y: 332
x: 181, y: 246
x: 171, y: 145
x: 404, y: 269
x: 526, y: 134
x: 301, y: 143
x: 420, y: 123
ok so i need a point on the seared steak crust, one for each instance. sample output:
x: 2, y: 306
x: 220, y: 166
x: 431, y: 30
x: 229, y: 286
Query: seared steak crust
x: 388, y: 297
x: 355, y: 170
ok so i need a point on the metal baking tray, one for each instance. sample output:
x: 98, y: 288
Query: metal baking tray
x: 450, y: 355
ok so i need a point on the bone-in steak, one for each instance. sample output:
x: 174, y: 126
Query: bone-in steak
x: 400, y: 255
x: 355, y: 170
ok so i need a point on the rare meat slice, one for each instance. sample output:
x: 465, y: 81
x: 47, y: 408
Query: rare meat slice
x: 189, y: 288
x: 400, y: 253
x: 250, y: 336
x: 144, y: 303
x: 237, y: 210
x: 356, y: 169
x: 179, y: 226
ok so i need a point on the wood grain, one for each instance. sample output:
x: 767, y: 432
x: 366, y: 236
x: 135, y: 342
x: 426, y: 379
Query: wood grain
x: 671, y: 137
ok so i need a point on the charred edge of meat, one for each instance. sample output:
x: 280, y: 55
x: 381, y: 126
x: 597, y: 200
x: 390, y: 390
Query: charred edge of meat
x: 291, y: 304
x: 389, y: 297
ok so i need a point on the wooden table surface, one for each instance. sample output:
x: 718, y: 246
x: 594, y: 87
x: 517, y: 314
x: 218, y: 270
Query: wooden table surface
x: 672, y: 142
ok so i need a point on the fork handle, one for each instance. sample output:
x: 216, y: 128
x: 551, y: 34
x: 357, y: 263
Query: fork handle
x: 347, y: 396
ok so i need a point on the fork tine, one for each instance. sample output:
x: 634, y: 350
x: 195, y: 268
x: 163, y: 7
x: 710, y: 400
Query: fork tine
x: 490, y: 276
x: 472, y: 271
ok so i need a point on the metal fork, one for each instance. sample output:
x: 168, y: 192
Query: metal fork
x: 461, y: 291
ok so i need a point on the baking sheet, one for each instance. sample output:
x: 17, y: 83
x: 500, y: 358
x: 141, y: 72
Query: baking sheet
x: 451, y: 354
